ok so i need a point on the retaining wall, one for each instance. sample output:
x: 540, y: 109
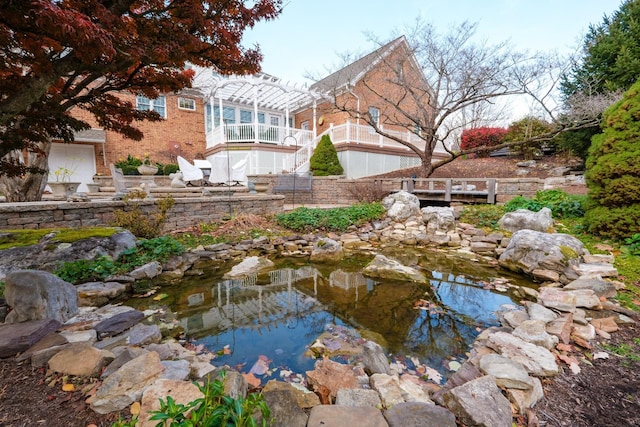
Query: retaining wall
x: 338, y: 190
x: 185, y: 213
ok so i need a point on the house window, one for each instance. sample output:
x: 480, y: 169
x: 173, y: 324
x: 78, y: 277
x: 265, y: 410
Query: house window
x: 261, y: 118
x: 208, y: 122
x: 304, y: 125
x: 228, y: 115
x: 246, y: 116
x: 186, y: 104
x: 374, y: 113
x: 274, y: 120
x: 158, y: 105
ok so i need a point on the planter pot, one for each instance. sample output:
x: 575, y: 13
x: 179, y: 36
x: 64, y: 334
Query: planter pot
x: 261, y: 187
x: 93, y: 188
x: 63, y: 188
x: 147, y: 169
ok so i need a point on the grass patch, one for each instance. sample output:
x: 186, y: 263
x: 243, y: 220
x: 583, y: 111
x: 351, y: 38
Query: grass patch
x: 14, y: 238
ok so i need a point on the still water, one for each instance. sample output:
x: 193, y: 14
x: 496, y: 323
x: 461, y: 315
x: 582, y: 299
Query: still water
x: 280, y: 313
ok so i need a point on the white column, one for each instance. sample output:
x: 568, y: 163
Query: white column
x: 315, y: 127
x: 255, y: 114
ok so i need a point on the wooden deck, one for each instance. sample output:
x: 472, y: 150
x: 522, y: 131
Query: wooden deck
x: 476, y: 190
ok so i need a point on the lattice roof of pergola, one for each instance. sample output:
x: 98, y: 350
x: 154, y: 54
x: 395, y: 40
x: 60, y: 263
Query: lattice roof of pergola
x: 269, y: 91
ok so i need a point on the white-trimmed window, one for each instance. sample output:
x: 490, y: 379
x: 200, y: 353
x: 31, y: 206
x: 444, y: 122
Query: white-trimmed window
x: 304, y: 125
x: 374, y: 113
x: 186, y: 104
x: 246, y: 116
x: 159, y: 105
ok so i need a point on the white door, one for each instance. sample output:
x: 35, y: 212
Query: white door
x: 80, y: 159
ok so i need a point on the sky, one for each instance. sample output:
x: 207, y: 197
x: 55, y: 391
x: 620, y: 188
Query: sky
x: 309, y: 35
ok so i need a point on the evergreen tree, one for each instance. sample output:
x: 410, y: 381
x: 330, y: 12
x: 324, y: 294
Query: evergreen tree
x: 324, y: 161
x: 610, y: 62
x: 613, y: 170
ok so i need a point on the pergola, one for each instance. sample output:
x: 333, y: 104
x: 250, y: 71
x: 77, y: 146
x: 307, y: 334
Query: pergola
x: 259, y: 90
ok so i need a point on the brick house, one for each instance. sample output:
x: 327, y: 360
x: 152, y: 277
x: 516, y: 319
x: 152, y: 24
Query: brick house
x: 274, y: 125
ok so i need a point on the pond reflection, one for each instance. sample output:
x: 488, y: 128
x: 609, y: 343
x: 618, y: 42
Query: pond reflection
x: 279, y: 314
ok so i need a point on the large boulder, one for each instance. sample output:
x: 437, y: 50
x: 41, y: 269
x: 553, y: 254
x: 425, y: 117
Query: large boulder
x: 401, y: 206
x: 535, y: 253
x: 326, y: 250
x: 479, y: 403
x: 385, y: 268
x: 48, y: 254
x: 439, y: 219
x: 525, y: 219
x: 36, y: 295
x: 249, y: 266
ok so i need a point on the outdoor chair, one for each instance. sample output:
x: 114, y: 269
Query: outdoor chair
x: 239, y: 171
x: 190, y: 172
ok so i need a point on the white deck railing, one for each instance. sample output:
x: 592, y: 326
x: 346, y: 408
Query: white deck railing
x: 256, y: 133
x: 348, y: 133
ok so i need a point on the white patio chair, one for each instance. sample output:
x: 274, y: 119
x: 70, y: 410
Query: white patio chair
x: 190, y: 172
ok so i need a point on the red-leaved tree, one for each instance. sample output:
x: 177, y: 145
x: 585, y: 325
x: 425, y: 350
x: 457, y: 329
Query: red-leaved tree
x: 482, y: 137
x: 64, y: 54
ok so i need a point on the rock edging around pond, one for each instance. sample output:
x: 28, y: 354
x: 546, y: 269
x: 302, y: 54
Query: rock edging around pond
x: 505, y: 361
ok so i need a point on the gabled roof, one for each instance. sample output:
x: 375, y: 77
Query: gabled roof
x: 352, y: 73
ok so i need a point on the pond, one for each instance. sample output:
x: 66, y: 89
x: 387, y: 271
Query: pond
x: 278, y: 315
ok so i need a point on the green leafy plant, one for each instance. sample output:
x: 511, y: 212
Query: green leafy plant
x: 214, y: 409
x: 633, y: 244
x: 335, y: 219
x: 561, y: 204
x: 145, y: 251
x: 140, y: 223
x: 82, y: 271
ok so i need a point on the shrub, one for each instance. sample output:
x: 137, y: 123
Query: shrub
x: 613, y: 170
x: 524, y: 129
x: 335, y: 219
x: 562, y: 205
x: 130, y: 165
x: 481, y: 137
x: 143, y: 224
x: 367, y: 191
x: 170, y: 168
x: 324, y: 161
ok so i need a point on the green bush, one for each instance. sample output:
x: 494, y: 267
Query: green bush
x: 130, y: 170
x: 335, y: 219
x: 324, y: 161
x: 561, y: 204
x: 170, y: 168
x: 613, y: 170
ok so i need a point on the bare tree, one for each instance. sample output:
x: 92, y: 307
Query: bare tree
x: 461, y: 84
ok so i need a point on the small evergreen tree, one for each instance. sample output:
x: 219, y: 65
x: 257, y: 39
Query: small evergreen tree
x: 613, y: 170
x: 324, y: 161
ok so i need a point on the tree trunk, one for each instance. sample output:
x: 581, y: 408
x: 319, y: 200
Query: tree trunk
x: 27, y: 188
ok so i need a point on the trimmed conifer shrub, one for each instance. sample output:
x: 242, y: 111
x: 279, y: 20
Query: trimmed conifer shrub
x: 324, y: 161
x: 613, y: 170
